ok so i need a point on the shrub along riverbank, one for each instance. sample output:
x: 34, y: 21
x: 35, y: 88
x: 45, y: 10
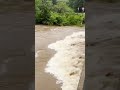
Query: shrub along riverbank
x: 59, y: 13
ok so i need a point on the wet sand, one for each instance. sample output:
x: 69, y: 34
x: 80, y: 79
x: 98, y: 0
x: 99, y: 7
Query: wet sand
x: 43, y: 37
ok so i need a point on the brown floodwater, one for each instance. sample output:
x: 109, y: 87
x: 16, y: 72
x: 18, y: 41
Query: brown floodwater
x: 45, y: 35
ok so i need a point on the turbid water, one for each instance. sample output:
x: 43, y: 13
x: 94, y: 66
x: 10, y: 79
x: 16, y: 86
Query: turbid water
x: 66, y: 65
x: 45, y: 35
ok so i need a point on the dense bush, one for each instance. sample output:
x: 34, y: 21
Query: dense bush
x: 42, y: 12
x: 58, y: 14
x: 66, y: 19
x: 76, y: 3
x: 62, y: 8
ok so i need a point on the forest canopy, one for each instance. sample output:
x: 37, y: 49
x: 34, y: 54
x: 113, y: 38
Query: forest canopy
x: 59, y: 12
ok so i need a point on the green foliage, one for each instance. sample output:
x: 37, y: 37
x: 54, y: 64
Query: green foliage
x: 66, y: 19
x: 76, y: 3
x: 62, y: 7
x: 76, y: 19
x: 54, y: 2
x: 57, y: 14
x: 42, y: 12
x: 37, y: 10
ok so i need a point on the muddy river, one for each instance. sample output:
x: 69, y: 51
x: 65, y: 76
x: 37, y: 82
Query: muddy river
x: 45, y: 35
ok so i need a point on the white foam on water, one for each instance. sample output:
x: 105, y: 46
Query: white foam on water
x: 66, y: 65
x: 37, y: 54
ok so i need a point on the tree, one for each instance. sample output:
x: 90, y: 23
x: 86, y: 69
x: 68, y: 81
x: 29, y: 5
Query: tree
x: 76, y: 3
x: 54, y: 2
x: 62, y: 7
x: 42, y: 11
